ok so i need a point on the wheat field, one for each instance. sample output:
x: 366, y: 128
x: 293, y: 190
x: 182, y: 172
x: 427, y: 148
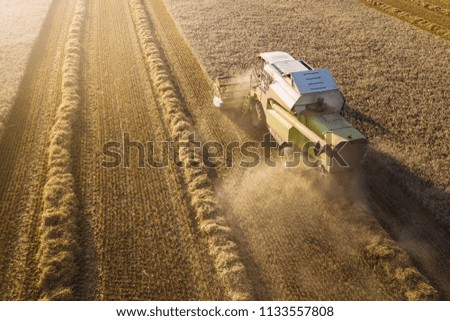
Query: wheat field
x: 96, y: 72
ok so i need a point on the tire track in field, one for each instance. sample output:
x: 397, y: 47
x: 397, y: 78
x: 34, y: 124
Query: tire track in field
x: 23, y: 160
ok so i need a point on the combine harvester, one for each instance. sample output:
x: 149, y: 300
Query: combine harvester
x: 300, y: 106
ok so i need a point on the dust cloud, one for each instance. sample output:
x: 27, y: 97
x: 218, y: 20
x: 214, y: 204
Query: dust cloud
x: 309, y: 235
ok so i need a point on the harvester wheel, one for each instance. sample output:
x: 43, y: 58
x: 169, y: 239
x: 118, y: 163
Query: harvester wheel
x: 257, y: 115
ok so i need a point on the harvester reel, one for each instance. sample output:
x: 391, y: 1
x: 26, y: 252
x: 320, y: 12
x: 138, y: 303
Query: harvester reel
x: 257, y: 115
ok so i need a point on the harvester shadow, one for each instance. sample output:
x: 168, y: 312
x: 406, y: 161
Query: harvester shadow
x: 355, y: 117
x: 417, y: 222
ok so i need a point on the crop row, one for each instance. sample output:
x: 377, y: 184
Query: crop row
x: 432, y: 7
x: 58, y: 230
x: 418, y: 21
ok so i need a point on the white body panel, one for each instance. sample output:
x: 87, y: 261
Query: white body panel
x: 282, y: 67
x: 275, y: 56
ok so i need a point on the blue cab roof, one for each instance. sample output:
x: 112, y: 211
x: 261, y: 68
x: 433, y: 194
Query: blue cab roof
x: 313, y: 81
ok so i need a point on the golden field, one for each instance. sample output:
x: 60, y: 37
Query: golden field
x: 73, y: 229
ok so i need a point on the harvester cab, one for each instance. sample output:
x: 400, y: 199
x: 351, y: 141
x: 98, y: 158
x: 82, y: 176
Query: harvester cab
x: 300, y: 106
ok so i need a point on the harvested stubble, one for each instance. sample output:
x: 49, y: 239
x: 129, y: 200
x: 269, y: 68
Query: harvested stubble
x: 211, y: 222
x: 58, y: 245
